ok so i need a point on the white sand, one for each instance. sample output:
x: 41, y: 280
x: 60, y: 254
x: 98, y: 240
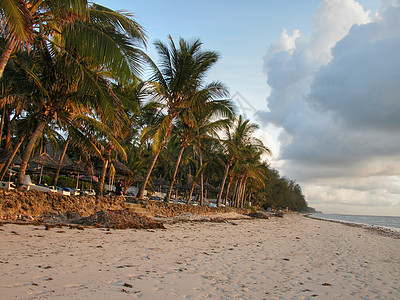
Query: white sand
x: 289, y: 258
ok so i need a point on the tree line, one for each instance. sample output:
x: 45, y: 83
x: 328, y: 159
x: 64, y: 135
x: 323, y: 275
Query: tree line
x: 72, y: 77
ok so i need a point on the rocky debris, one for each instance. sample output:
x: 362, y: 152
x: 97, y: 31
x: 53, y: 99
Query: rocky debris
x: 35, y: 205
x: 60, y: 218
x: 167, y: 210
x: 265, y: 215
x: 215, y: 218
x: 120, y: 219
x: 53, y: 209
x: 259, y: 215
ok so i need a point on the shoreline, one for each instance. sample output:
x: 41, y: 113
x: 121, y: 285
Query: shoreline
x: 293, y: 257
x: 381, y: 230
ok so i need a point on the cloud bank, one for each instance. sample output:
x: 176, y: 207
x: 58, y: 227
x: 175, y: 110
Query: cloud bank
x: 336, y: 97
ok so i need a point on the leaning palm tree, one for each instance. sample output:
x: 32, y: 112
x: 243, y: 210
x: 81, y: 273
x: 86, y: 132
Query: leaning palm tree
x: 22, y: 18
x: 72, y: 24
x: 239, y: 137
x: 54, y: 99
x: 200, y: 123
x: 181, y: 75
x: 249, y: 167
x: 71, y: 78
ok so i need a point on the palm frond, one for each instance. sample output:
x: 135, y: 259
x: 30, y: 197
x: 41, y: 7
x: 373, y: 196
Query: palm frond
x: 16, y: 20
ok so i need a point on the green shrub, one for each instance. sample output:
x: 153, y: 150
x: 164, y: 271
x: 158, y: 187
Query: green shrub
x: 64, y: 181
x: 252, y: 208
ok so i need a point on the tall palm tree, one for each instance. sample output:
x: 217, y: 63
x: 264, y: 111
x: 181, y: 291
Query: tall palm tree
x: 239, y: 137
x: 249, y: 167
x: 182, y: 73
x: 69, y: 78
x: 25, y: 20
x: 201, y: 122
x: 22, y: 20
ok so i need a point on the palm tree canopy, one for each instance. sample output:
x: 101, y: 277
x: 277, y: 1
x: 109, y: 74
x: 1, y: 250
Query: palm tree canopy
x: 182, y: 71
x: 111, y: 39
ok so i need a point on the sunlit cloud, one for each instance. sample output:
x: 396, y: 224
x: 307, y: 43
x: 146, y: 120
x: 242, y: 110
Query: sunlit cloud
x: 336, y: 98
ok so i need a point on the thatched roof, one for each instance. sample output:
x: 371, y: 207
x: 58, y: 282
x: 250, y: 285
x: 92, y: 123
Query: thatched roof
x: 161, y: 182
x: 44, y: 160
x: 188, y: 186
x: 120, y: 168
x: 177, y: 186
x: 209, y: 187
x: 79, y: 167
x: 66, y: 161
x: 56, y: 155
x: 16, y: 160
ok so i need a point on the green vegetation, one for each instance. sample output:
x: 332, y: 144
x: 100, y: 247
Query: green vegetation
x: 71, y: 81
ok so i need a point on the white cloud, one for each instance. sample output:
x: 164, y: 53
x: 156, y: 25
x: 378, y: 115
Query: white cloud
x: 337, y: 98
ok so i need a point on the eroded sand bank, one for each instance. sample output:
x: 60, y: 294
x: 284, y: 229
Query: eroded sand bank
x: 280, y: 258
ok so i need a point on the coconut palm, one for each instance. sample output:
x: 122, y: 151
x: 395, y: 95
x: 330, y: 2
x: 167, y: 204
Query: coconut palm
x: 68, y: 79
x: 91, y: 25
x: 249, y: 167
x: 22, y: 20
x: 239, y: 137
x: 60, y: 161
x: 14, y: 88
x: 181, y: 73
x: 200, y: 121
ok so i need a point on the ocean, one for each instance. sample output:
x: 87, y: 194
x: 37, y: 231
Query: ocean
x: 392, y: 223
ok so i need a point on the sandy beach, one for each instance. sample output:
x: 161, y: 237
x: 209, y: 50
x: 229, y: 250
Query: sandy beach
x: 280, y: 258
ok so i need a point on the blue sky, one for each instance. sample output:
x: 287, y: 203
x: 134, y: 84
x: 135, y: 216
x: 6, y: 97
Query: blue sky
x: 329, y: 71
x: 241, y: 31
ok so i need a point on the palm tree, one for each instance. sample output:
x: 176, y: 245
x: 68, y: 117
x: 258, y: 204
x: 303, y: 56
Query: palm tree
x: 14, y: 88
x: 55, y: 20
x: 182, y: 73
x: 60, y: 161
x: 25, y: 19
x: 67, y: 81
x: 249, y: 167
x: 132, y: 97
x: 239, y: 142
x: 200, y: 120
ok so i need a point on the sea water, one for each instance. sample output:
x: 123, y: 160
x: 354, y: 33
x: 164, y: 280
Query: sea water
x: 392, y: 223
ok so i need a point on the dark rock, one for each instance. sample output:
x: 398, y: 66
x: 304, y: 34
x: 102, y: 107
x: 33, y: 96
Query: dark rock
x: 259, y: 215
x: 120, y: 219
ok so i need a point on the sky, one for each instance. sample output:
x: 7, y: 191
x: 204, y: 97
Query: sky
x: 321, y: 77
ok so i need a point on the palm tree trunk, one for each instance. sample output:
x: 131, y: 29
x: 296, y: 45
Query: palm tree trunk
x: 106, y: 162
x: 5, y: 56
x: 249, y: 194
x: 223, y: 184
x: 60, y: 162
x: 238, y: 192
x: 1, y: 134
x: 191, y: 192
x: 234, y: 192
x: 28, y: 151
x: 228, y: 190
x: 7, y: 149
x: 235, y: 196
x: 5, y: 167
x: 201, y: 180
x: 102, y: 178
x: 148, y: 173
x: 2, y: 124
x: 77, y: 182
x: 178, y: 161
x: 153, y: 161
x: 242, y: 197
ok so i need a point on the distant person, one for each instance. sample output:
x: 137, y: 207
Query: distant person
x: 118, y: 188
